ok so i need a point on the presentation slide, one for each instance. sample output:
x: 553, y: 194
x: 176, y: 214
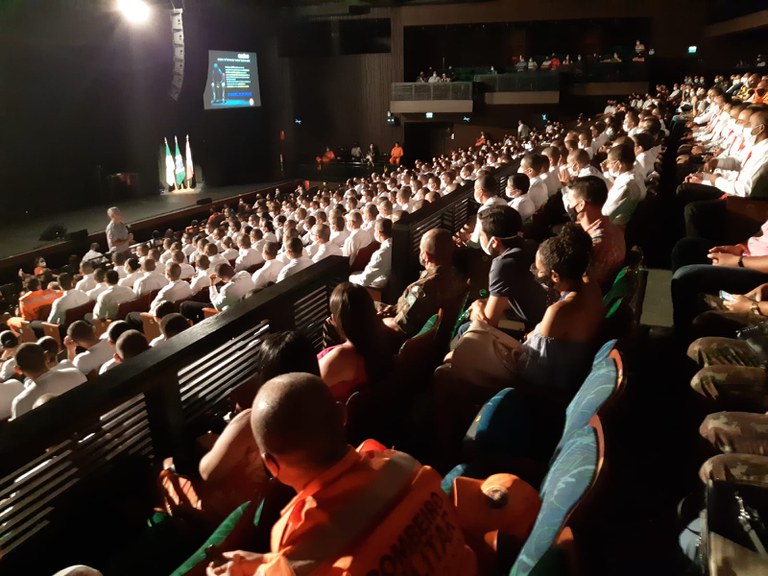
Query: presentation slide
x: 233, y: 80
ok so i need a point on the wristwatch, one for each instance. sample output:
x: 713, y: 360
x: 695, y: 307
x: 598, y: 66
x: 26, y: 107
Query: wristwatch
x: 755, y: 308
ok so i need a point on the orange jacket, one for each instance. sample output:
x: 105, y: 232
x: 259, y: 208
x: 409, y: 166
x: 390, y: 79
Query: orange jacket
x: 374, y: 512
x: 397, y: 152
x: 32, y: 302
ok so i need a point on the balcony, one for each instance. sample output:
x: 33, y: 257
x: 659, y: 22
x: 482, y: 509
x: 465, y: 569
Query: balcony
x: 438, y: 97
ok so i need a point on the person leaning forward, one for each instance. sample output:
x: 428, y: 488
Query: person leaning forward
x: 440, y: 286
x: 356, y: 512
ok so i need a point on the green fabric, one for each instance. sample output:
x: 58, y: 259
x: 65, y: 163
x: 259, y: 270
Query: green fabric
x: 623, y: 289
x: 428, y: 325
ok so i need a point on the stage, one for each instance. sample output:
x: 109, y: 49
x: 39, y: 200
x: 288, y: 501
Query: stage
x: 20, y: 236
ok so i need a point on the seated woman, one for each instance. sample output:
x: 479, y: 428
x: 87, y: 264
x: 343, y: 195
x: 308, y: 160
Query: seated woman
x: 231, y: 472
x: 557, y: 354
x: 365, y: 355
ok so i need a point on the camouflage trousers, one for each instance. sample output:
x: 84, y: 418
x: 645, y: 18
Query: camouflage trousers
x: 739, y: 432
x: 731, y: 374
x: 745, y: 468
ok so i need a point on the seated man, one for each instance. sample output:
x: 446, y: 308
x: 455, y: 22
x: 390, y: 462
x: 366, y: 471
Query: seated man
x: 170, y: 325
x: 114, y: 331
x: 322, y: 246
x: 585, y: 198
x: 296, y: 260
x: 9, y: 342
x: 132, y: 273
x: 268, y: 273
x: 72, y: 298
x: 376, y: 272
x: 32, y: 302
x: 80, y: 334
x: 396, y: 155
x: 109, y: 301
x: 440, y: 286
x: 100, y: 277
x: 150, y: 280
x: 627, y: 190
x: 515, y: 294
x: 236, y: 286
x: 31, y: 361
x: 358, y: 238
x: 517, y: 192
x: 87, y: 282
x: 176, y: 289
x: 374, y: 496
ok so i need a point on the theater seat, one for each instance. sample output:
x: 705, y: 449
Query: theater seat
x: 364, y: 256
x: 208, y: 312
x: 149, y: 326
x: 78, y: 312
x: 54, y: 331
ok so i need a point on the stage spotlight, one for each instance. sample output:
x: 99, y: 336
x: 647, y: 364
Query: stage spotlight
x: 135, y: 11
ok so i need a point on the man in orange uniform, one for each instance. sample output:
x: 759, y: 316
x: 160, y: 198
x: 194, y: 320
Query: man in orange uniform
x: 360, y: 512
x: 34, y: 304
x: 396, y: 154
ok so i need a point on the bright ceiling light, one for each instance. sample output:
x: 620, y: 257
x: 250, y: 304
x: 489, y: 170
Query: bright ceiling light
x: 135, y: 11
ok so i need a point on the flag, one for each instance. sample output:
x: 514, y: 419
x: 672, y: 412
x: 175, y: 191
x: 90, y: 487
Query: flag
x: 190, y: 165
x: 170, y: 177
x: 179, y: 164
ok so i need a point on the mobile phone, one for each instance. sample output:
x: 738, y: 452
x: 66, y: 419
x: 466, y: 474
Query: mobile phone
x: 727, y: 296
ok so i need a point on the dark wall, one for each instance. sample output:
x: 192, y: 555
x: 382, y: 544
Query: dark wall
x: 85, y: 95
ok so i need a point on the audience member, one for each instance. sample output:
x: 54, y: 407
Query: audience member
x: 296, y: 260
x: 80, y: 334
x: 71, y: 298
x: 268, y: 273
x: 376, y: 272
x: 110, y: 299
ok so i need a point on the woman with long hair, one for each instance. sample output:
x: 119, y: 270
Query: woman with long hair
x: 365, y: 355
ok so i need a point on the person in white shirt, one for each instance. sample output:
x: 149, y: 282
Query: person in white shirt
x: 81, y: 334
x: 170, y: 325
x: 630, y: 125
x: 100, y: 276
x: 268, y: 273
x: 9, y: 342
x: 174, y: 291
x: 297, y: 261
x: 485, y: 194
x: 339, y: 232
x: 30, y: 358
x: 532, y: 166
x: 248, y: 256
x: 377, y: 271
x: 187, y: 270
x: 114, y: 331
x: 257, y: 241
x: 8, y: 391
x: 213, y: 255
x: 370, y: 214
x: 229, y: 252
x: 517, y: 192
x: 109, y: 301
x: 150, y: 280
x: 323, y: 247
x: 133, y: 273
x: 578, y: 166
x: 645, y: 157
x: 93, y: 253
x: 202, y: 279
x: 70, y: 299
x: 358, y: 238
x: 627, y: 190
x: 236, y: 286
x: 87, y: 282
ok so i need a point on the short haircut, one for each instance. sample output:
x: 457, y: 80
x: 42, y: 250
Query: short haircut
x: 438, y: 243
x: 224, y: 270
x: 32, y: 284
x: 133, y: 264
x: 50, y: 347
x: 148, y: 265
x: 295, y: 246
x: 271, y: 248
x: 130, y: 344
x: 66, y: 281
x: 203, y: 262
x: 30, y: 357
x: 322, y: 231
x: 173, y: 270
x: 488, y: 184
x: 579, y: 156
x: 591, y: 189
x: 165, y: 308
x: 117, y: 328
x: 520, y: 182
x: 564, y: 255
x: 80, y: 330
x: 384, y: 227
x: 500, y: 221
x: 173, y: 324
x: 624, y: 154
x: 644, y: 140
x: 112, y: 277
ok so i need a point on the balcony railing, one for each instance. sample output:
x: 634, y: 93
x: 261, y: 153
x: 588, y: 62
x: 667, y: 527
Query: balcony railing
x: 410, y: 91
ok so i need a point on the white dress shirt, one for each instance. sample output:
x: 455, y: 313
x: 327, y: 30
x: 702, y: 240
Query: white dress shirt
x: 130, y: 279
x: 71, y: 299
x: 8, y: 391
x: 56, y: 382
x: 171, y: 292
x: 248, y: 257
x: 752, y: 178
x: 232, y: 292
x: 524, y: 206
x: 376, y: 273
x: 552, y: 181
x: 201, y: 280
x: 94, y: 357
x: 93, y: 293
x: 216, y: 259
x: 108, y: 365
x: 88, y: 282
x: 149, y: 282
x: 538, y: 192
x: 230, y: 254
x: 325, y: 250
x: 267, y: 274
x: 108, y: 301
x: 339, y: 238
x: 626, y: 192
x: 187, y: 271
x: 356, y: 240
x: 492, y: 201
x: 294, y: 266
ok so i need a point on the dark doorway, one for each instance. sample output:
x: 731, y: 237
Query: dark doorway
x: 424, y: 140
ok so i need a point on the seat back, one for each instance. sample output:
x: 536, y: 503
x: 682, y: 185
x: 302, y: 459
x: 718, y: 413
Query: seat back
x: 149, y: 326
x: 78, y: 312
x: 364, y: 256
x: 569, y: 479
x: 208, y: 312
x: 54, y: 331
x: 255, y: 267
x: 140, y: 304
x: 43, y: 312
x: 26, y: 333
x: 604, y: 380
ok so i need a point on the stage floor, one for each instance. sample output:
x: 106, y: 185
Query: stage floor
x: 21, y: 235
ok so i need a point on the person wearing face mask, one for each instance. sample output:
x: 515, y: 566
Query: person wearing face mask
x: 630, y: 125
x: 485, y: 194
x: 627, y: 190
x: 584, y: 199
x: 514, y: 292
x: 517, y: 192
x: 377, y: 271
x: 532, y: 166
x: 579, y: 166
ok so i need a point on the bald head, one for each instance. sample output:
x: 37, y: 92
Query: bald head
x: 437, y: 247
x: 296, y: 420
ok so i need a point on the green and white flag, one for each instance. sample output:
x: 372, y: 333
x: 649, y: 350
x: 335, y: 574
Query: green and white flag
x: 180, y: 170
x: 170, y: 168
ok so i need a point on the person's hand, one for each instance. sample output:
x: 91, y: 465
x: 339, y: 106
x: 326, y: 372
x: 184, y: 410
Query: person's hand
x: 564, y: 176
x: 477, y: 311
x: 386, y: 311
x: 759, y: 294
x: 738, y: 304
x: 723, y: 259
x: 240, y: 563
x: 734, y: 250
x: 213, y: 279
x: 69, y: 344
x: 710, y: 165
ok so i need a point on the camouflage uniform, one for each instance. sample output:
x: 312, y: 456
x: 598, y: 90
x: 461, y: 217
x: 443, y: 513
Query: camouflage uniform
x: 439, y: 287
x: 732, y: 373
x: 748, y: 468
x: 741, y: 432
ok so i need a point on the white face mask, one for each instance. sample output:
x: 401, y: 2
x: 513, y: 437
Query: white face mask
x: 573, y: 171
x: 486, y: 247
x: 749, y: 138
x: 614, y: 173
